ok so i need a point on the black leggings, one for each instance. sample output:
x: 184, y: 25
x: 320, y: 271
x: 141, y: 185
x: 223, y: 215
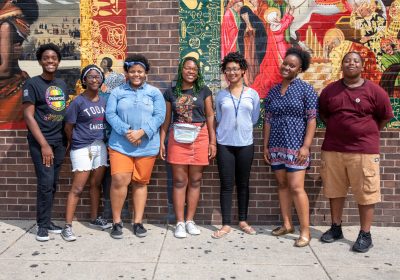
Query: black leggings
x: 234, y: 165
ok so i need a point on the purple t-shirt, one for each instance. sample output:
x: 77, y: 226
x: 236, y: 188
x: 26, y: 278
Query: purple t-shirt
x: 88, y: 119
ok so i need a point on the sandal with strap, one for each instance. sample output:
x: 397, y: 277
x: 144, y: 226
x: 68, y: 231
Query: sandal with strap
x: 302, y: 241
x: 281, y: 231
x: 219, y: 233
x: 249, y: 230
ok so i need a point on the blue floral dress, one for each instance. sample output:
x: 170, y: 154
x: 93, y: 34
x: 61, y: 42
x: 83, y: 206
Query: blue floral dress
x: 288, y: 116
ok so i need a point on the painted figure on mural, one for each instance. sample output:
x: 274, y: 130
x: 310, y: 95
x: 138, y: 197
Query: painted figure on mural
x: 393, y: 29
x: 252, y: 41
x: 369, y: 19
x: 390, y: 80
x: 230, y: 27
x: 269, y: 68
x: 112, y: 78
x: 14, y: 29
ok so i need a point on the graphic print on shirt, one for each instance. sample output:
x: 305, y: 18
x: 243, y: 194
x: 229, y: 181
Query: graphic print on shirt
x: 55, y: 99
x: 184, y: 108
x: 96, y: 114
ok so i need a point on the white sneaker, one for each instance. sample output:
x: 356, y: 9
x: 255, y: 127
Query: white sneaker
x: 191, y: 228
x: 180, y: 231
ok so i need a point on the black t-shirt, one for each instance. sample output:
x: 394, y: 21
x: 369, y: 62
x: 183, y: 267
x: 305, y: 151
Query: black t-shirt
x: 50, y: 100
x: 189, y: 108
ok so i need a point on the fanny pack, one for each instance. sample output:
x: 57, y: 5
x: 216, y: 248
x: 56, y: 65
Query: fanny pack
x: 186, y: 133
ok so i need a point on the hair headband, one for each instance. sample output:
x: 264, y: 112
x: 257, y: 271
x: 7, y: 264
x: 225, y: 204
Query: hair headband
x: 92, y: 68
x: 129, y: 64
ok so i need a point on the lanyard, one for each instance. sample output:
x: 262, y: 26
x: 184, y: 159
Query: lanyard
x: 234, y: 106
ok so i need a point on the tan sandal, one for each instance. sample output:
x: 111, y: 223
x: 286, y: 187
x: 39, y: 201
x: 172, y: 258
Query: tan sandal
x: 282, y: 231
x: 219, y: 233
x: 249, y: 230
x: 302, y: 241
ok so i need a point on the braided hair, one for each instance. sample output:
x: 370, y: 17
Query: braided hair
x: 197, y: 85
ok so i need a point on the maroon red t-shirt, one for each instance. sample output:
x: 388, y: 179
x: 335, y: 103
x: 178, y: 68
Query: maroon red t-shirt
x: 353, y: 116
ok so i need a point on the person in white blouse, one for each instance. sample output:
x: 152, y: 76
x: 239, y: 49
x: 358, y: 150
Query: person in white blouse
x: 237, y: 111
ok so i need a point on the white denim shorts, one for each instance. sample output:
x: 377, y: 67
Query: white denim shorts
x: 89, y: 157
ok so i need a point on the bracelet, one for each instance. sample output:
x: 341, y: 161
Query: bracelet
x: 212, y: 144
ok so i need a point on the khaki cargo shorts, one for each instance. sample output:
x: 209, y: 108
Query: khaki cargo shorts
x: 339, y: 171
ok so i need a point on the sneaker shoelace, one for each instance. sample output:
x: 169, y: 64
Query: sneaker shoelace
x: 68, y: 231
x: 101, y: 221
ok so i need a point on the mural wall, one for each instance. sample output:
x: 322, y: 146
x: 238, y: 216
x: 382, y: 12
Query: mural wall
x: 262, y: 30
x: 85, y: 31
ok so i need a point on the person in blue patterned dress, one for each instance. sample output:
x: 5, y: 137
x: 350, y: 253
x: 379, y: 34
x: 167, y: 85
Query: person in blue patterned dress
x: 290, y: 123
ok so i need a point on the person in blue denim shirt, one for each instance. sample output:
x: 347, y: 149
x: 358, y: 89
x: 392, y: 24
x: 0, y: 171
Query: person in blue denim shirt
x: 135, y: 111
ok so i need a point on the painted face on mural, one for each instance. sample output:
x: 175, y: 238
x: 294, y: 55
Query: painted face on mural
x: 387, y: 48
x: 190, y: 72
x: 233, y: 72
x: 93, y: 80
x: 352, y: 65
x: 290, y: 67
x: 136, y: 75
x: 49, y: 61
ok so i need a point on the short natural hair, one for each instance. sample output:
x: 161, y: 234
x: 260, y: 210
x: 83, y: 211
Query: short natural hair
x: 234, y: 57
x: 46, y: 47
x: 304, y: 57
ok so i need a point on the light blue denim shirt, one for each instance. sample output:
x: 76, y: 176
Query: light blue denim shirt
x: 247, y: 117
x: 143, y: 108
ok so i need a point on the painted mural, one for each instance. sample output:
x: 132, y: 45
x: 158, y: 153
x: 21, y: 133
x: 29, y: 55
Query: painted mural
x: 262, y: 30
x: 24, y: 25
x: 199, y: 36
x: 85, y: 31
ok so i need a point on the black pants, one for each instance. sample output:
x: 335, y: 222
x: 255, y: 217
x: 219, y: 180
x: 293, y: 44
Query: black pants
x: 234, y: 165
x: 47, y: 178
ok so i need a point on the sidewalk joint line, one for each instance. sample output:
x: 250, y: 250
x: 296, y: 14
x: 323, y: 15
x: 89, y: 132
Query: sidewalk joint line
x: 15, y: 241
x: 321, y: 264
x: 159, y: 254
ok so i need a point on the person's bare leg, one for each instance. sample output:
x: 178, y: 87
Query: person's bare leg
x: 118, y: 192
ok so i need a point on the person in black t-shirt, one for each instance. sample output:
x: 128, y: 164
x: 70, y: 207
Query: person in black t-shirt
x: 44, y: 103
x: 190, y: 102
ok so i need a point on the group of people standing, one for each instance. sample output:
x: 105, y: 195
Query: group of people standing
x: 182, y: 127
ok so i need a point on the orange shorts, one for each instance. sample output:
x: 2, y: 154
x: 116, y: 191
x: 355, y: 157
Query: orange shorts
x: 140, y: 167
x: 339, y: 171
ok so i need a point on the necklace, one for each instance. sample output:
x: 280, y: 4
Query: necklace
x: 234, y: 105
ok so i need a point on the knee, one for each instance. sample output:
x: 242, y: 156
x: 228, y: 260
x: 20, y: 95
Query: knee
x: 296, y: 189
x: 282, y: 185
x: 77, y: 190
x: 180, y: 183
x: 195, y: 183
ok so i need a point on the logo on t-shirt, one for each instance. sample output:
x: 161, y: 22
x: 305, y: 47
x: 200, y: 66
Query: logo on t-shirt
x: 55, y: 98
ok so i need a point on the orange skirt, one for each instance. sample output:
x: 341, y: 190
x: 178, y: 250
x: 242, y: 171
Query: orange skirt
x: 195, y: 153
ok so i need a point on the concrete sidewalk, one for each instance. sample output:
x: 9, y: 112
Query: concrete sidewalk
x: 95, y: 255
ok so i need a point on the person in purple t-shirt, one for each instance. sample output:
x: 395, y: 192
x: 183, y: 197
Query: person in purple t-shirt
x: 354, y: 111
x: 85, y: 129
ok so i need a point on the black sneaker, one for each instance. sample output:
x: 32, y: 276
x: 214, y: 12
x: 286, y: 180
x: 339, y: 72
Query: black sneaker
x: 363, y: 242
x: 100, y: 223
x: 42, y: 234
x: 52, y: 228
x: 332, y: 234
x: 139, y: 230
x: 116, y: 231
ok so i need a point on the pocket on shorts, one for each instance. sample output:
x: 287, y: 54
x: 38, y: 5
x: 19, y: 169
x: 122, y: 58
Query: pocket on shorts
x: 371, y: 175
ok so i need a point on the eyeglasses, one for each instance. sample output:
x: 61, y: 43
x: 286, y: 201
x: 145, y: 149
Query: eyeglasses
x: 194, y: 69
x: 232, y: 70
x: 92, y: 78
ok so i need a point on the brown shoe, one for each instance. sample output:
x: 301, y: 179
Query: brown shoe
x: 302, y: 241
x: 281, y: 231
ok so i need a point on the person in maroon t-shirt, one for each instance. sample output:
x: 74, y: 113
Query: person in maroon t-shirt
x: 354, y: 111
